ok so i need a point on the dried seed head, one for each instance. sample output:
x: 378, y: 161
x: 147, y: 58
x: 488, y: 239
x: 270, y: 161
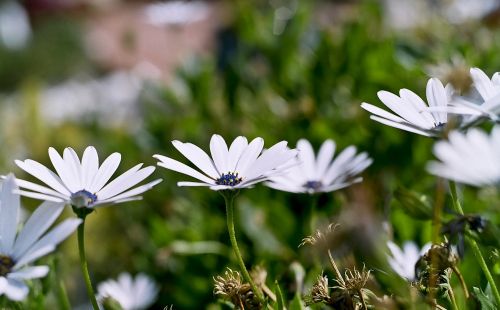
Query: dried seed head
x: 354, y: 280
x: 320, y: 292
x: 230, y: 287
x: 319, y: 236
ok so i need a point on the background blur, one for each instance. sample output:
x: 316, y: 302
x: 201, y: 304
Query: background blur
x: 130, y: 76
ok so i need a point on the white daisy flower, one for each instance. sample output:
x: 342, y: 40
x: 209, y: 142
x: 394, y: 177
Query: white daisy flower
x: 403, y: 260
x: 241, y: 165
x: 131, y: 294
x: 411, y: 112
x: 321, y: 173
x: 19, y: 249
x: 471, y: 158
x: 83, y: 184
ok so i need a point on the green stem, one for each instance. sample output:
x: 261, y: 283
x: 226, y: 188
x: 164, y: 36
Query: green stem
x: 229, y: 199
x: 473, y: 244
x: 453, y: 301
x: 83, y: 263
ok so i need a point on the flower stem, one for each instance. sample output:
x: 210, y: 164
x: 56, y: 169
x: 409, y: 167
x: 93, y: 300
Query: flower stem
x: 475, y: 248
x: 229, y: 199
x: 83, y: 263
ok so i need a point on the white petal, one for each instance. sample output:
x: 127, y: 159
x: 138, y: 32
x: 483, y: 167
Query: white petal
x: 198, y: 157
x: 10, y: 205
x: 403, y: 109
x: 175, y: 165
x: 436, y: 96
x: 48, y: 242
x: 74, y: 165
x: 482, y: 83
x: 235, y: 151
x: 125, y: 181
x: 325, y: 156
x: 29, y: 273
x: 220, y: 153
x: 38, y: 223
x: 16, y: 290
x: 307, y: 159
x: 42, y: 173
x: 90, y: 166
x: 270, y: 159
x: 249, y: 155
x: 39, y: 196
x: 382, y: 113
x: 419, y: 105
x: 64, y: 171
x: 105, y: 172
x: 39, y: 188
x: 193, y: 184
x: 406, y: 127
x: 136, y: 191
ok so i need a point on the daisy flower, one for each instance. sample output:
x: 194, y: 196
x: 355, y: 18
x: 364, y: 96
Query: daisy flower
x: 471, y: 158
x: 130, y: 293
x: 19, y: 249
x: 84, y: 184
x: 411, y: 112
x: 241, y: 165
x: 321, y: 173
x: 403, y: 260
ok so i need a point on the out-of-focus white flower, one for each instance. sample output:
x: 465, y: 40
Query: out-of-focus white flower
x: 323, y: 173
x: 411, y: 112
x: 472, y: 158
x: 83, y: 184
x: 18, y: 250
x: 15, y: 29
x: 403, y: 260
x: 241, y: 165
x: 459, y: 11
x: 131, y: 293
x: 176, y: 12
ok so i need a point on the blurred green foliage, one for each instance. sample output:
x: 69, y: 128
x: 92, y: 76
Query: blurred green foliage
x: 307, y: 82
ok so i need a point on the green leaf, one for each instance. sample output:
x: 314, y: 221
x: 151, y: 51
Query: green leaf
x: 280, y: 303
x: 413, y: 203
x: 297, y: 303
x: 485, y: 301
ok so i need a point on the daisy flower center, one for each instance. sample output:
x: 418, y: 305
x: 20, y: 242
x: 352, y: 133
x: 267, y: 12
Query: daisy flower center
x: 229, y: 179
x: 313, y: 185
x: 6, y: 264
x: 83, y: 199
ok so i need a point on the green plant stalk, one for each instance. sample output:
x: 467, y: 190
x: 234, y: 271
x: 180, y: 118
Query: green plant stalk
x: 83, y: 264
x: 453, y: 301
x: 229, y: 199
x: 473, y: 244
x: 436, y: 229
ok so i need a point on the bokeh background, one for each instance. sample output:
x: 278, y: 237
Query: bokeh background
x: 131, y: 76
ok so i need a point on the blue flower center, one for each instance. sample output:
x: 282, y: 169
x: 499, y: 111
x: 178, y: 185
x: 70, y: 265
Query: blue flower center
x: 313, y: 186
x: 6, y: 264
x: 229, y: 179
x: 83, y: 199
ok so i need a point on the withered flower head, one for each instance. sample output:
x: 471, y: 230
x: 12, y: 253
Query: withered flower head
x: 230, y: 287
x: 354, y: 280
x: 320, y: 292
x: 319, y: 236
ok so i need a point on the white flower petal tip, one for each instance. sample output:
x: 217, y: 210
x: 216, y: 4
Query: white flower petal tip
x: 131, y: 293
x: 311, y: 174
x: 403, y: 260
x: 83, y: 183
x: 470, y: 158
x: 34, y: 240
x: 410, y: 113
x: 241, y: 165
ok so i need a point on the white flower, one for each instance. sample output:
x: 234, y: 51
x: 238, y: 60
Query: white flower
x: 403, y: 261
x: 131, y: 294
x: 242, y: 165
x: 322, y: 173
x: 17, y: 250
x: 472, y: 158
x: 411, y: 112
x: 83, y: 184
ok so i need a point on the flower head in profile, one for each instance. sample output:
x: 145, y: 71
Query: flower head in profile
x: 84, y: 184
x: 470, y: 158
x: 321, y: 173
x: 411, y: 113
x: 241, y: 165
x: 131, y: 293
x: 19, y: 249
x: 403, y: 260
